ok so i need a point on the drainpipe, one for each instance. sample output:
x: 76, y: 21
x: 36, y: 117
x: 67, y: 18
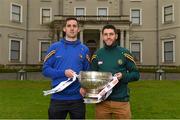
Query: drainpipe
x: 27, y: 36
x: 121, y: 7
x: 157, y: 34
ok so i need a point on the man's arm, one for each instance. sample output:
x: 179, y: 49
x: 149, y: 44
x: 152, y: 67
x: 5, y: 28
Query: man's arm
x: 132, y: 73
x: 94, y: 63
x: 49, y: 69
x: 86, y: 62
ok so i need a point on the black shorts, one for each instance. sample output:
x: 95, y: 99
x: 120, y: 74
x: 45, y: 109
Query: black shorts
x: 59, y: 109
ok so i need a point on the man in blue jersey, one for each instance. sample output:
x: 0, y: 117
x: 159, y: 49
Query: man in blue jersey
x: 63, y: 59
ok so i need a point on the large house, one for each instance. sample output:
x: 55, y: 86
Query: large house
x: 150, y: 29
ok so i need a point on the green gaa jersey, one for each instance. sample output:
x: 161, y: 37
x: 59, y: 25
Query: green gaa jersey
x: 116, y: 59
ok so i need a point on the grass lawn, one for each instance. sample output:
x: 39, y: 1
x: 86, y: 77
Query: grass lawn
x: 149, y: 99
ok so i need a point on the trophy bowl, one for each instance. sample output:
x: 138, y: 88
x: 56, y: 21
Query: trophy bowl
x: 94, y: 81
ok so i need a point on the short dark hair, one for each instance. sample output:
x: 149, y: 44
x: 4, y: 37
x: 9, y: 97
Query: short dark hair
x: 71, y: 18
x: 109, y: 26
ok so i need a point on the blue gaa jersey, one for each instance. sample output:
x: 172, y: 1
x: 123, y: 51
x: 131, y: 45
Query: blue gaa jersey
x: 64, y: 55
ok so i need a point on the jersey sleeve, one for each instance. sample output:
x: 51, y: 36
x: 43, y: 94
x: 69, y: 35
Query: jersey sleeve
x: 49, y: 69
x: 86, y: 62
x: 94, y: 62
x: 132, y: 73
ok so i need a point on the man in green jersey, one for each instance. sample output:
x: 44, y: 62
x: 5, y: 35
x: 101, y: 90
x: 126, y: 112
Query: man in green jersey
x: 119, y: 61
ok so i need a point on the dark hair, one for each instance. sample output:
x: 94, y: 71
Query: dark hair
x: 71, y: 18
x: 109, y: 26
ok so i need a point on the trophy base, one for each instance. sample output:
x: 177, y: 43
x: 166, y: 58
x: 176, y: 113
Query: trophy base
x: 91, y: 100
x: 91, y: 95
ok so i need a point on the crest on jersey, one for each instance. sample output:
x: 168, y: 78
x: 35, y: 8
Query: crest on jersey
x: 120, y: 62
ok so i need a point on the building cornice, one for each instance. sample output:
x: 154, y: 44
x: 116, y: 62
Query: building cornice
x: 168, y: 36
x: 169, y: 28
x: 12, y: 27
x: 15, y: 35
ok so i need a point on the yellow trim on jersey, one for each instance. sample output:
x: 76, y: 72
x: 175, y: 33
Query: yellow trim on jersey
x: 129, y: 57
x: 49, y: 55
x: 93, y: 57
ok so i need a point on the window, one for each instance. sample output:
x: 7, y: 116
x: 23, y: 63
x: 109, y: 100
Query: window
x: 46, y: 15
x: 43, y: 49
x: 136, y: 51
x: 80, y: 11
x: 136, y: 16
x: 15, y: 51
x: 102, y: 12
x: 168, y: 51
x: 168, y: 14
x: 16, y: 12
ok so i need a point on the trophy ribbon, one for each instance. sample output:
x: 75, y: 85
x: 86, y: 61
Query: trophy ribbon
x: 104, y: 93
x: 101, y: 96
x: 61, y: 86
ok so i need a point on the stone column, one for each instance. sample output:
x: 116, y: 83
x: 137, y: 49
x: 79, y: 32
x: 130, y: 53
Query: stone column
x: 127, y: 39
x: 101, y: 39
x: 122, y: 38
x: 81, y: 36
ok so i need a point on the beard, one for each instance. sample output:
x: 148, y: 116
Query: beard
x: 112, y: 45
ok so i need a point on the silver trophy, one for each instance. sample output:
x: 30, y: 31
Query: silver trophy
x: 93, y: 82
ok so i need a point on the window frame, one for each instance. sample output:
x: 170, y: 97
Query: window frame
x: 75, y: 10
x: 41, y: 14
x: 140, y: 16
x: 140, y: 43
x: 20, y: 14
x: 20, y: 50
x: 163, y: 14
x: 163, y: 51
x: 40, y: 49
x: 102, y: 8
x: 99, y: 16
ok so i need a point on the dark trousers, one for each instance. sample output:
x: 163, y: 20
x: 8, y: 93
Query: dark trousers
x: 59, y: 109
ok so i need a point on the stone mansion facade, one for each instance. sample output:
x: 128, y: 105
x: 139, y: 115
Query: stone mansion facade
x: 150, y: 29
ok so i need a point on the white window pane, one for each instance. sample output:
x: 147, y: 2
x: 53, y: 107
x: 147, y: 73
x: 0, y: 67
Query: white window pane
x: 169, y: 56
x: 46, y: 20
x: 168, y: 46
x: 135, y: 21
x: 46, y: 12
x: 168, y: 10
x: 135, y: 47
x: 102, y: 11
x: 14, y: 55
x: 135, y: 13
x: 16, y: 9
x: 15, y: 17
x: 44, y: 46
x: 136, y: 56
x: 15, y: 45
x: 168, y: 18
x: 79, y: 11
